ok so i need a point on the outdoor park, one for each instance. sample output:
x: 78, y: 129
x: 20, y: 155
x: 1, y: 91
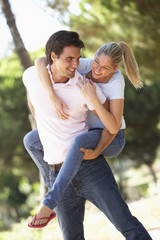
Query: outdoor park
x: 137, y: 168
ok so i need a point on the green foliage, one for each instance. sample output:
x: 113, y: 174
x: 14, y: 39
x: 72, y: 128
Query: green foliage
x: 134, y: 22
x: 138, y: 24
x: 60, y: 8
x: 13, y: 111
x: 15, y: 190
x: 142, y: 117
x: 99, y: 21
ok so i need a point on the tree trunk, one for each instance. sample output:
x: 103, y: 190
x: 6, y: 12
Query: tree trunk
x: 21, y: 52
x: 152, y: 171
x: 19, y: 45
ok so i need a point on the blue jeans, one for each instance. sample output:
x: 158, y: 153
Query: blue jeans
x: 34, y: 147
x: 74, y: 158
x: 72, y: 161
x: 94, y: 182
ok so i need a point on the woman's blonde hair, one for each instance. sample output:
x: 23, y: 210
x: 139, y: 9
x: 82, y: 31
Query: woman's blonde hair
x: 119, y: 51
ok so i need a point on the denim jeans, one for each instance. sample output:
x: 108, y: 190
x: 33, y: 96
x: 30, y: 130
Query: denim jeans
x: 74, y: 158
x: 94, y: 182
x: 72, y: 161
x: 34, y: 147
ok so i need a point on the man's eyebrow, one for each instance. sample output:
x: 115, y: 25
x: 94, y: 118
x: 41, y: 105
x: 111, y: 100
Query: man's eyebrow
x: 73, y: 57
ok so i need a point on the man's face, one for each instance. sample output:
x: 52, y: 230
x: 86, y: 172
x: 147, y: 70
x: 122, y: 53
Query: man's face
x: 64, y: 67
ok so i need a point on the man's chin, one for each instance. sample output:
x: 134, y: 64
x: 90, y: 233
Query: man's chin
x: 71, y: 75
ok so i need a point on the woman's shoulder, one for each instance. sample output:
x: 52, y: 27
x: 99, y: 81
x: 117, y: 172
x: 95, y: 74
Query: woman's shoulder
x: 117, y: 76
x: 85, y: 65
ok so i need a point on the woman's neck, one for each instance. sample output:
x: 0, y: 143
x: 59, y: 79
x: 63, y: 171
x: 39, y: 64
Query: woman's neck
x: 100, y: 80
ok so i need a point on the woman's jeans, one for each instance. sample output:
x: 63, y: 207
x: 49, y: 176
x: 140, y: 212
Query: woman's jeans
x: 94, y: 182
x: 74, y: 158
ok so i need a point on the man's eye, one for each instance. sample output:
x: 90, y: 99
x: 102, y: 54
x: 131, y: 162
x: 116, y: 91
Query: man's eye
x: 69, y: 59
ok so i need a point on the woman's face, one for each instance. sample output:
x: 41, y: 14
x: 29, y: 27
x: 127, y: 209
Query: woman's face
x: 102, y: 69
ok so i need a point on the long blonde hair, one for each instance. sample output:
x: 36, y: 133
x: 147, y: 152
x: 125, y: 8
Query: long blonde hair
x: 121, y: 51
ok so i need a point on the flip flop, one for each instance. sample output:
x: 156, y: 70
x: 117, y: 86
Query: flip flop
x: 31, y: 225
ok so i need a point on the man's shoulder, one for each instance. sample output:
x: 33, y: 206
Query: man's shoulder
x: 29, y: 71
x: 28, y: 75
x: 77, y: 75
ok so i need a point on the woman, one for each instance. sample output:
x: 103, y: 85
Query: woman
x: 103, y: 70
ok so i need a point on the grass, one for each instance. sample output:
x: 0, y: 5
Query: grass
x: 96, y: 225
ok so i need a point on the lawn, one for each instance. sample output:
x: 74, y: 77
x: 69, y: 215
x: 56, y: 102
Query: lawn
x: 97, y: 227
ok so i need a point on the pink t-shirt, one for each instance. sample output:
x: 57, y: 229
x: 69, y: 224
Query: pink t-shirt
x: 56, y: 134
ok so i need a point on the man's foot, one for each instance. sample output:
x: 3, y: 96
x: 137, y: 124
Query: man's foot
x: 42, y: 218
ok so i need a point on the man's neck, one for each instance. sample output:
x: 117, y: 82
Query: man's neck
x: 57, y: 78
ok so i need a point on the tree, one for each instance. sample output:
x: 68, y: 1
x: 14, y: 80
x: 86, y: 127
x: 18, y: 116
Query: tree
x: 142, y: 117
x: 14, y: 122
x: 19, y: 45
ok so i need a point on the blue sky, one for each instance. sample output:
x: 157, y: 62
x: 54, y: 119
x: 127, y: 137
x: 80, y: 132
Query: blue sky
x: 35, y: 24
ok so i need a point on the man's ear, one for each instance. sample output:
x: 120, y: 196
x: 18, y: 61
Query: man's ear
x: 53, y: 56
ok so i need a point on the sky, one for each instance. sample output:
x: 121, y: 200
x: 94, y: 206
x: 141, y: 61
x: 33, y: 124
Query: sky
x: 35, y: 24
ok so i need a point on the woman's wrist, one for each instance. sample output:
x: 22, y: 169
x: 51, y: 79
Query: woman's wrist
x: 53, y: 97
x: 95, y: 101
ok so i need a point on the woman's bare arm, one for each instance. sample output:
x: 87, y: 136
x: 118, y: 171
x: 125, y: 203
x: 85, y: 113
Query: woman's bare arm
x: 111, y: 118
x: 105, y: 139
x: 57, y: 103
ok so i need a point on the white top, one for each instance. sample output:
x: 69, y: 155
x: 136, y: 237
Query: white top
x: 56, y: 134
x: 113, y: 89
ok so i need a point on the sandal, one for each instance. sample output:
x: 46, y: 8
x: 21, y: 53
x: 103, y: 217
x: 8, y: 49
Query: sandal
x: 31, y: 225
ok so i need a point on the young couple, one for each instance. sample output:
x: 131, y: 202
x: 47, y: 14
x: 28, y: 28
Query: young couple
x: 80, y: 119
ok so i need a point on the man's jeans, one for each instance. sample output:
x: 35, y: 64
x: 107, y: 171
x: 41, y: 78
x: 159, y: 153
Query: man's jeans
x: 94, y: 182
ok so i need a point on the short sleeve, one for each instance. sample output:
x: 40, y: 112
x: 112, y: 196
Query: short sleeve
x: 116, y: 90
x: 85, y: 65
x: 27, y: 76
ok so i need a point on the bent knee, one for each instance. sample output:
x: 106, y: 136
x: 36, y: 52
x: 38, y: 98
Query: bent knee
x: 78, y: 141
x: 27, y: 140
x: 31, y: 139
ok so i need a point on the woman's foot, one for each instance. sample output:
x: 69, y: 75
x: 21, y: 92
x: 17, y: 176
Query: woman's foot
x: 42, y: 218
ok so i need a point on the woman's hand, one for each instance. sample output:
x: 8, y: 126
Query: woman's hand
x: 89, y: 154
x: 59, y: 108
x: 88, y: 89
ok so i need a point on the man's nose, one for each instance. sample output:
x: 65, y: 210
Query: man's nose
x: 75, y: 63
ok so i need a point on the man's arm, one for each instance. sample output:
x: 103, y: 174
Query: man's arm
x: 31, y: 108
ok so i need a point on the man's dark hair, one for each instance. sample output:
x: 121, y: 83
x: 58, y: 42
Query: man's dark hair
x: 61, y: 39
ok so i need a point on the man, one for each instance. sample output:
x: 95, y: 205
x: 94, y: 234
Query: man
x: 94, y: 181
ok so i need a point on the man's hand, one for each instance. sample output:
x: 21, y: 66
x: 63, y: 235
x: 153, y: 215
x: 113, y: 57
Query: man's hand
x: 89, y: 154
